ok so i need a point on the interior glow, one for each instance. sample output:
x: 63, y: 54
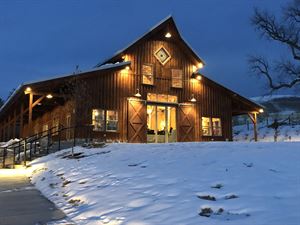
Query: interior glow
x: 49, y: 96
x: 168, y: 35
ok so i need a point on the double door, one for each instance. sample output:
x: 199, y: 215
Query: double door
x: 161, y: 124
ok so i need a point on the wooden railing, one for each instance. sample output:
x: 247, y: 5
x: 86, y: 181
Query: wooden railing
x: 42, y: 144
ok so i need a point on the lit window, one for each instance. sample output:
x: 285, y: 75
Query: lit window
x: 147, y: 73
x: 111, y: 120
x: 55, y: 126
x: 98, y: 119
x: 177, y: 77
x: 206, y: 126
x: 217, y: 128
x: 162, y: 98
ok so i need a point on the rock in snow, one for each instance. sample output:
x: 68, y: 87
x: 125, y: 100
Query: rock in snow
x: 164, y: 185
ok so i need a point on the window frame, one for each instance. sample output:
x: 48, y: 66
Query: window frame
x: 176, y: 79
x: 212, y: 127
x: 146, y: 75
x: 105, y: 120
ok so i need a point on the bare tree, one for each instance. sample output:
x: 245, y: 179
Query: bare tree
x: 285, y: 73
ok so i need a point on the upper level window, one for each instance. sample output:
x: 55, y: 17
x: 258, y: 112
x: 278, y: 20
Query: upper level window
x: 211, y: 126
x: 177, y: 77
x: 162, y: 98
x: 147, y: 74
x: 104, y: 120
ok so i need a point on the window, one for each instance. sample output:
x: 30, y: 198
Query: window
x: 104, y: 120
x: 177, y: 78
x: 162, y: 98
x: 111, y: 120
x: 98, y: 120
x: 147, y: 73
x: 55, y: 126
x: 211, y: 126
x: 206, y: 126
x: 217, y: 129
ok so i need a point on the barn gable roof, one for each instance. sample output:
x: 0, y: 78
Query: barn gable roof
x: 166, y: 24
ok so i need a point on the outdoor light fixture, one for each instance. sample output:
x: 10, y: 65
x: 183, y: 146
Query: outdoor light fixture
x: 193, y: 99
x: 49, y: 96
x: 27, y: 90
x: 138, y: 95
x: 196, y: 76
x: 200, y: 65
x: 261, y: 110
x: 127, y: 68
x: 168, y: 35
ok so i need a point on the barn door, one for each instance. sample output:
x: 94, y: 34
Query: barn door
x: 186, y: 122
x: 137, y: 120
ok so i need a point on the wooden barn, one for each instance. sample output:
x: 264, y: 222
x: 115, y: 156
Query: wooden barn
x: 152, y: 91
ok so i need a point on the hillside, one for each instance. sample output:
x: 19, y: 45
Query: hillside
x: 180, y: 183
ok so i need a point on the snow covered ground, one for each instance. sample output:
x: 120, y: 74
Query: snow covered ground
x: 265, y: 134
x: 172, y: 184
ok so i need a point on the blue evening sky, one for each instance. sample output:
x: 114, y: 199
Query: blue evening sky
x: 40, y: 39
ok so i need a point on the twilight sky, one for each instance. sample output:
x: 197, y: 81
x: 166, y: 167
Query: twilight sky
x: 40, y: 39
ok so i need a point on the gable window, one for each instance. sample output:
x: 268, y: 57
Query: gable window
x: 147, y: 74
x: 104, y: 120
x: 211, y: 126
x: 177, y: 78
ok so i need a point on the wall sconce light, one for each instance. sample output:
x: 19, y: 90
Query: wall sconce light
x: 49, y: 96
x: 137, y: 94
x: 168, y: 35
x: 193, y: 99
x: 127, y: 67
x: 27, y: 90
x: 196, y: 76
x: 261, y: 110
x: 200, y: 65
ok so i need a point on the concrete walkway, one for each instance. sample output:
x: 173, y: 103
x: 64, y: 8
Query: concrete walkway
x: 21, y: 203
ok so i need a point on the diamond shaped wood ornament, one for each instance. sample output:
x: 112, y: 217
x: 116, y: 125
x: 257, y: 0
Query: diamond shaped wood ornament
x: 162, y: 55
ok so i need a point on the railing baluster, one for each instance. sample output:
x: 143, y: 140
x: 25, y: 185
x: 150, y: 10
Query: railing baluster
x: 13, y: 161
x: 25, y: 143
x: 30, y: 151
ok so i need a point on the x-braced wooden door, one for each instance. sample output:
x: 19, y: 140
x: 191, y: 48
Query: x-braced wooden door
x: 137, y: 121
x: 186, y: 122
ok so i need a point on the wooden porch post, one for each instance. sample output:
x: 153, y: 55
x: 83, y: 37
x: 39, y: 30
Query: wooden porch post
x: 21, y: 119
x: 30, y: 114
x: 14, y: 123
x: 253, y: 117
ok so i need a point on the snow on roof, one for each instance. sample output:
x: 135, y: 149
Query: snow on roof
x: 272, y: 97
x: 103, y: 67
x: 140, y: 37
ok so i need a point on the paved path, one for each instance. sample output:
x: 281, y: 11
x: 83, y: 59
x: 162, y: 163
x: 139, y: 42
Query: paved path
x: 22, y: 204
